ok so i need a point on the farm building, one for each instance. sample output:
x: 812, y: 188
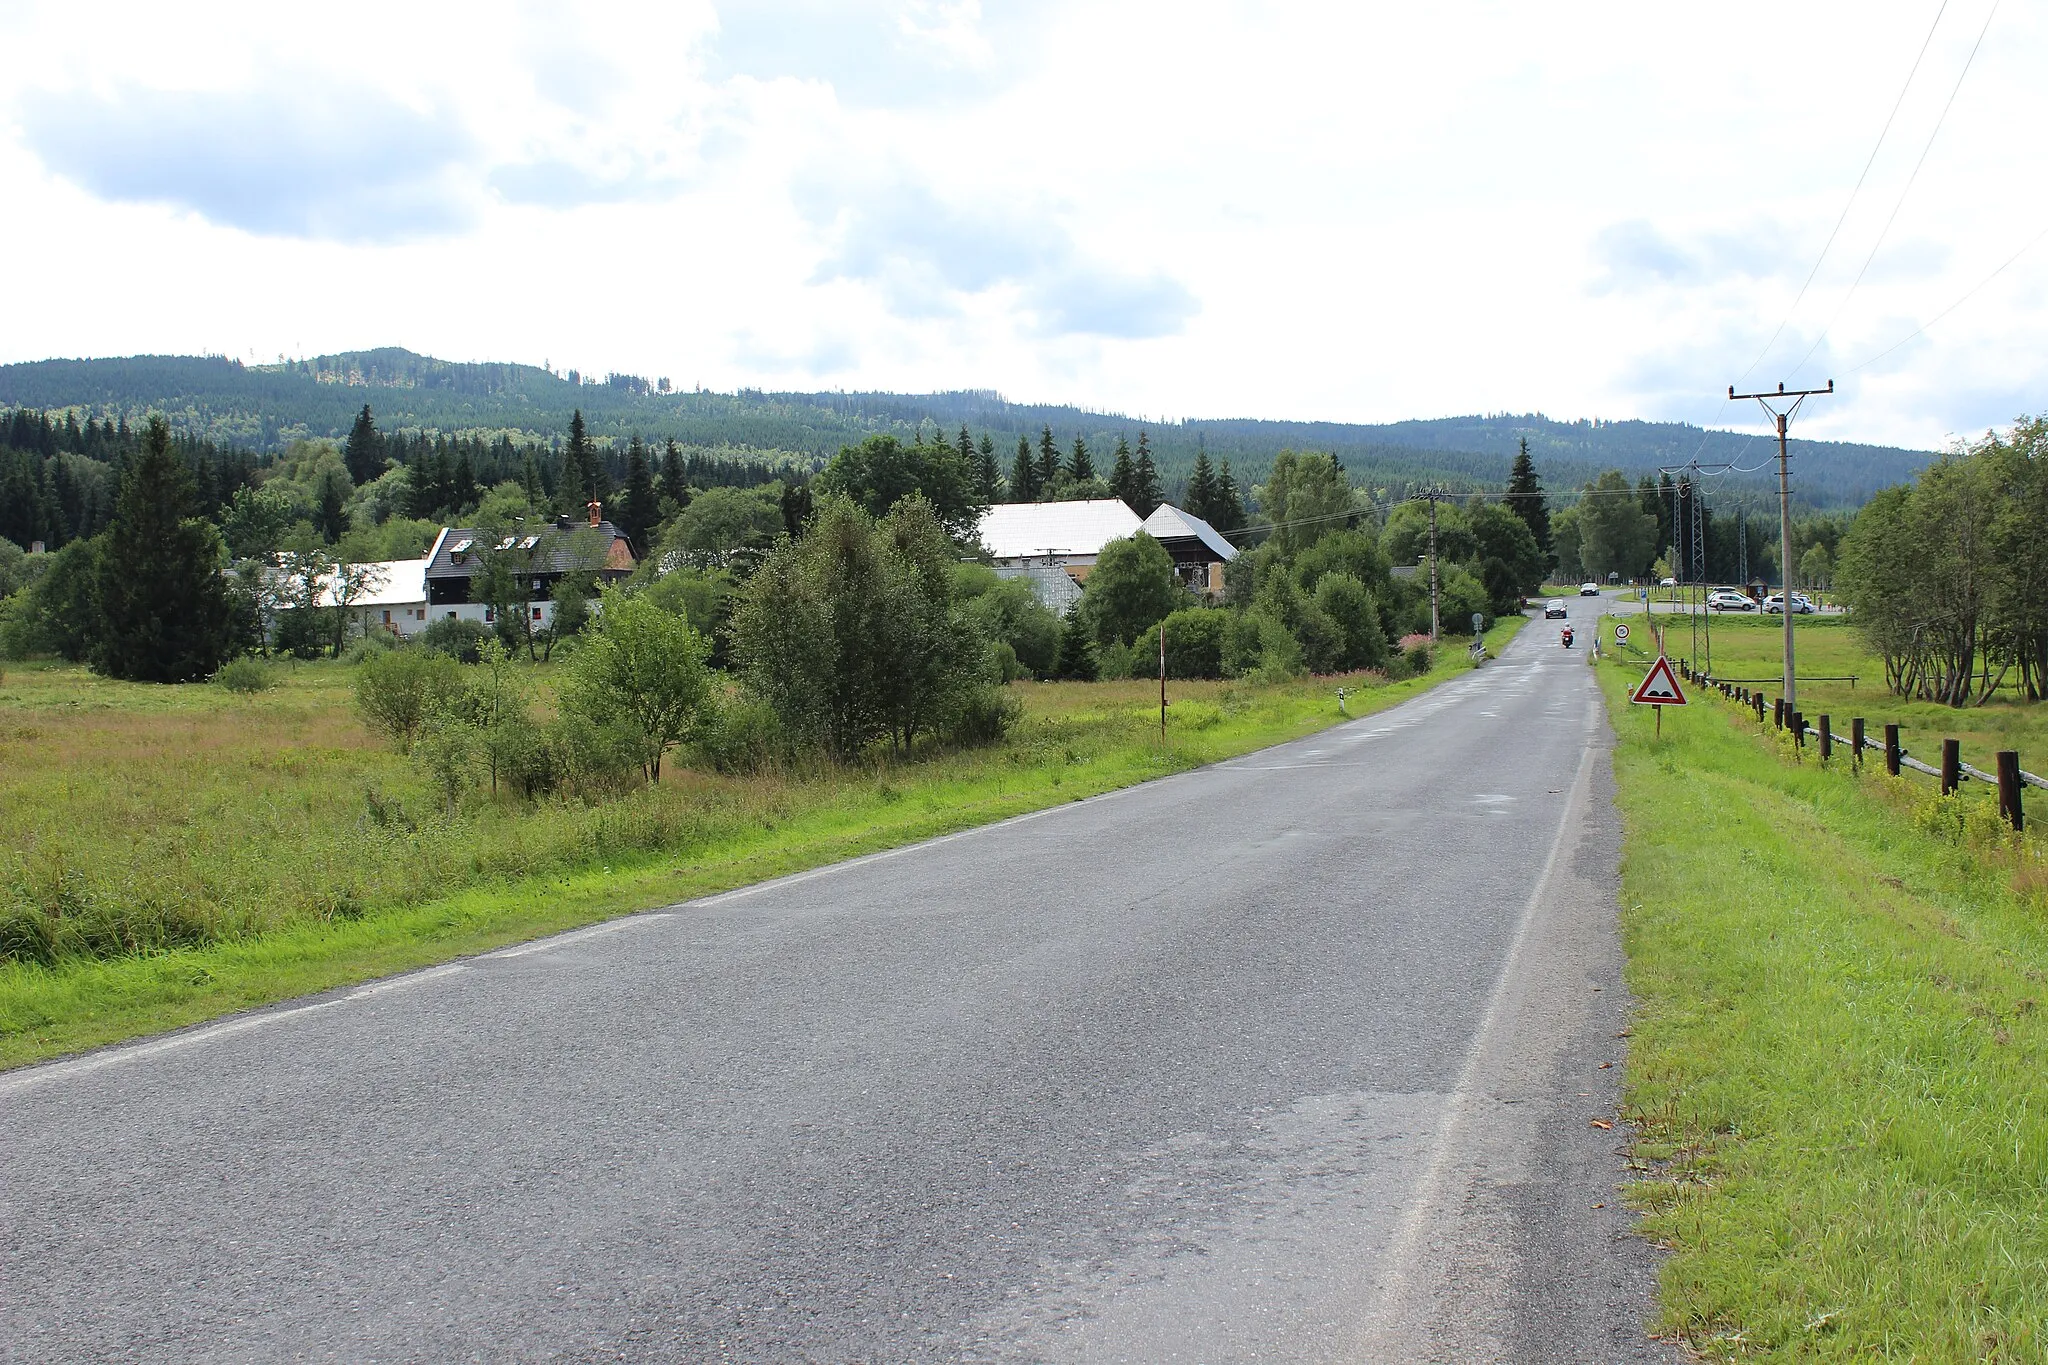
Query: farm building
x: 539, y: 556
x: 1055, y: 544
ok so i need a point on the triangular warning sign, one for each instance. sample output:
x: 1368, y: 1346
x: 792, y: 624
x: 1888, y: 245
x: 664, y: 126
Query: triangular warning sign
x: 1661, y: 687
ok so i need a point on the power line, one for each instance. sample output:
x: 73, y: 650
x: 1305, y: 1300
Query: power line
x: 1884, y: 132
x: 1952, y: 307
x: 1879, y: 243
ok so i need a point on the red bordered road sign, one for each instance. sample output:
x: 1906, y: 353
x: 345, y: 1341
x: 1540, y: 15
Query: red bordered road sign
x: 1661, y: 687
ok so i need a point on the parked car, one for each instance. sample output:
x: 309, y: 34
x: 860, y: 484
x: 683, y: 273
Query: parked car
x: 1667, y: 583
x: 1553, y: 610
x: 1800, y: 605
x: 1589, y: 589
x: 1727, y: 599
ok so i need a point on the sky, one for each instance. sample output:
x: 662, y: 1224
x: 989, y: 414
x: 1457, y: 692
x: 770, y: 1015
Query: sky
x: 1350, y: 212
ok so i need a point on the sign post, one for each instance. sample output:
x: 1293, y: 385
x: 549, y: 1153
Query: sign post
x: 1659, y: 689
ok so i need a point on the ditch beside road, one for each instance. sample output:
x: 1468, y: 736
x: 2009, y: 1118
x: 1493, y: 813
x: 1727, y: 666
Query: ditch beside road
x: 1303, y: 1055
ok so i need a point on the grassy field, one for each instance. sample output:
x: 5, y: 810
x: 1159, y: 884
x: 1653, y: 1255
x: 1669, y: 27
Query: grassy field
x: 1839, y: 1070
x: 206, y: 852
x: 1750, y: 647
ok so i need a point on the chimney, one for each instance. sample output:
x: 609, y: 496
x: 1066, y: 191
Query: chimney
x: 596, y: 513
x: 562, y: 522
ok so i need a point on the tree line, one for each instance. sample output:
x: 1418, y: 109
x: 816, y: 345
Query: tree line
x: 1947, y: 577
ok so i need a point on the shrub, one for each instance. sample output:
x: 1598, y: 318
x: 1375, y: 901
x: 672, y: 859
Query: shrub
x: 743, y: 736
x: 374, y: 645
x: 1194, y: 645
x: 1418, y: 659
x: 400, y: 691
x: 458, y: 639
x: 446, y: 746
x: 982, y: 717
x: 245, y: 675
x: 641, y: 666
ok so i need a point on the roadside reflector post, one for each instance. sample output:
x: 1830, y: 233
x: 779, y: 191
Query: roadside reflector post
x: 1951, y: 766
x: 1891, y: 750
x: 2009, y: 789
x: 1827, y: 739
x: 1758, y: 699
x: 1856, y: 743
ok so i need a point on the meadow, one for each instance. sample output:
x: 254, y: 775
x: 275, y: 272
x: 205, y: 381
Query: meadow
x: 1839, y: 1067
x: 1749, y: 647
x: 176, y: 853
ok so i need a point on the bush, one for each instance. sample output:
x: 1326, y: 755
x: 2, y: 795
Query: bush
x: 1194, y: 645
x: 596, y: 760
x: 982, y: 717
x: 245, y: 675
x: 374, y: 645
x: 743, y: 736
x: 447, y: 748
x: 458, y: 639
x: 400, y: 691
x: 1417, y: 659
x: 1257, y: 645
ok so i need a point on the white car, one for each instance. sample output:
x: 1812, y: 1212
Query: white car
x: 1800, y: 605
x: 1727, y: 599
x: 1589, y: 589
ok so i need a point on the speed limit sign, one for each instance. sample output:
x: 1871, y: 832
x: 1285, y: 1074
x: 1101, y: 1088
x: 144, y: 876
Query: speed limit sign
x: 1620, y: 633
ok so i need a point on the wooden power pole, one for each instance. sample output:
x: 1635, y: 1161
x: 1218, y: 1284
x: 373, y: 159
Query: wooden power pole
x: 1782, y: 417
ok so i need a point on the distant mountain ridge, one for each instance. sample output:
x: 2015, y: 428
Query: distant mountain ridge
x: 265, y: 407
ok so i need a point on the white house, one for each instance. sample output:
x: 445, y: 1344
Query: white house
x: 1055, y: 544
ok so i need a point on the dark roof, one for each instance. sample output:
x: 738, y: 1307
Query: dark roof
x: 551, y: 554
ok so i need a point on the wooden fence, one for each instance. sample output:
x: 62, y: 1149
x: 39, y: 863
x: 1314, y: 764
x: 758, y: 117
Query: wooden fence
x: 2010, y: 779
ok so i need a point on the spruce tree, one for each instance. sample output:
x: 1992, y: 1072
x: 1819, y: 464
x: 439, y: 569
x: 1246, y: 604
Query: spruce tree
x: 988, y: 478
x: 330, y: 516
x: 163, y: 607
x: 640, y: 511
x: 1048, y: 462
x: 1146, y: 496
x: 462, y: 488
x: 1200, y: 499
x: 1228, y: 508
x: 1525, y: 497
x: 579, y: 467
x: 673, y: 486
x: 1080, y: 468
x: 1024, y: 474
x: 363, y: 452
x: 1076, y: 660
x: 1123, y: 475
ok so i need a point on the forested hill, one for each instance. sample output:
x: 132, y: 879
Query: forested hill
x: 265, y: 407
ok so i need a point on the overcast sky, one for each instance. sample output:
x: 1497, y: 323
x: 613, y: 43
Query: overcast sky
x: 1346, y: 211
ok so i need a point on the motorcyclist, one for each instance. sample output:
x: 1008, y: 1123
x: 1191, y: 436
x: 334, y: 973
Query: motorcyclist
x: 1567, y: 637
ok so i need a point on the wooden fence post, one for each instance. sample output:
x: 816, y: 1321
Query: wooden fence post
x: 1758, y: 698
x: 1951, y: 766
x: 2009, y: 788
x: 1856, y: 741
x: 1891, y: 749
x: 1827, y: 739
x: 1798, y: 724
x: 1778, y: 712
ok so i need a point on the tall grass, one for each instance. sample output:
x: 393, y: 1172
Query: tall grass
x: 1840, y: 1066
x: 174, y: 852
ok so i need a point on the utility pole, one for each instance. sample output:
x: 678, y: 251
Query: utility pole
x: 1435, y: 626
x: 1783, y: 419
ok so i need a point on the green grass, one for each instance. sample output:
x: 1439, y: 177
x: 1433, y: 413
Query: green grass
x: 1839, y: 1070
x: 266, y: 846
x: 1751, y: 647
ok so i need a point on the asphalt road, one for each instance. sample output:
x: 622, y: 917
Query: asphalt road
x: 1292, y: 1058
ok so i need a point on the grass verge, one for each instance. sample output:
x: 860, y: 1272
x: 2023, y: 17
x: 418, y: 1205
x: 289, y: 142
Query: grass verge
x: 1839, y: 1071
x: 157, y: 791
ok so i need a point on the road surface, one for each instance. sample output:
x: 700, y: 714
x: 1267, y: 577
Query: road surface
x: 1292, y: 1058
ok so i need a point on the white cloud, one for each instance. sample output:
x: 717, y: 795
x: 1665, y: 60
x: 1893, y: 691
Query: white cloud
x: 1358, y: 212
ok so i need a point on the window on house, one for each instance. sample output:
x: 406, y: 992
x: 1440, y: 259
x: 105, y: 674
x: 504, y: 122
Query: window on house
x: 490, y: 614
x: 536, y: 613
x: 387, y: 618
